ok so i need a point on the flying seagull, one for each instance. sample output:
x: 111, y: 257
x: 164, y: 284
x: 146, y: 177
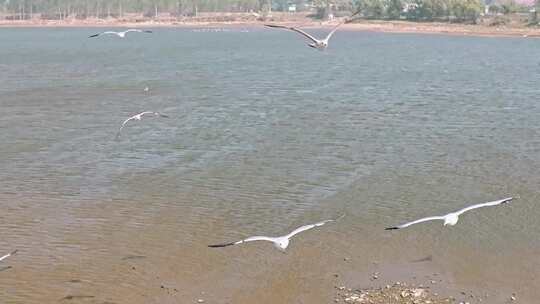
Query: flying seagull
x: 138, y: 117
x: 120, y: 34
x: 452, y: 218
x: 319, y: 44
x: 8, y: 255
x: 280, y: 242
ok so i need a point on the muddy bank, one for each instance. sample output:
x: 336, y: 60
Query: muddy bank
x: 252, y: 21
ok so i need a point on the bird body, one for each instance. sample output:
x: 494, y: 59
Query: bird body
x: 120, y: 34
x: 138, y: 117
x: 280, y: 242
x: 452, y: 218
x: 319, y: 44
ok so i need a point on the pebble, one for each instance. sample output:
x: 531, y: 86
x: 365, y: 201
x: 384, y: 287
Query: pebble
x: 418, y: 292
x: 200, y: 301
x: 513, y: 298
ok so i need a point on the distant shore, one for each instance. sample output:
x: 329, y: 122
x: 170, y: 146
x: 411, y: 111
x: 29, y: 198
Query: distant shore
x: 357, y: 25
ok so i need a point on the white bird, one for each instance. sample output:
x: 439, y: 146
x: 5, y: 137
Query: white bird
x: 280, y: 242
x: 319, y: 44
x: 451, y: 218
x: 8, y: 255
x: 120, y: 34
x: 138, y: 117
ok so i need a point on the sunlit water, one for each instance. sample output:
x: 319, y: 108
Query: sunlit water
x: 264, y: 135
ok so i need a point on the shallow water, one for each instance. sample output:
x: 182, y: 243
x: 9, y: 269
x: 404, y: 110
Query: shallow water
x: 264, y: 135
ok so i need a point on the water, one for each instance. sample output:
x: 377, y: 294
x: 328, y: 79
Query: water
x: 265, y: 135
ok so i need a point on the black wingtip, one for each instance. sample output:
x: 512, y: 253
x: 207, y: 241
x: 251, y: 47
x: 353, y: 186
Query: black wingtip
x: 220, y: 245
x: 14, y: 251
x: 148, y: 31
x: 93, y: 36
x: 391, y: 228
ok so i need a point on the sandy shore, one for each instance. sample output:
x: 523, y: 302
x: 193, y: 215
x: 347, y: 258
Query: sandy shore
x: 362, y: 25
x: 398, y: 293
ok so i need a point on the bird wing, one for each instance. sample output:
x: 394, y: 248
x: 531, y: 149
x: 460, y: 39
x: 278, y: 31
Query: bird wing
x: 123, y: 124
x: 493, y: 203
x: 296, y: 30
x: 249, y: 239
x: 8, y: 255
x: 425, y: 219
x: 307, y: 227
x: 133, y: 30
x: 104, y: 33
x: 145, y: 112
x: 333, y: 31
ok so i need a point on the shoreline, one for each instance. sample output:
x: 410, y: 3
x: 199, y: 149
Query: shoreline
x: 405, y: 27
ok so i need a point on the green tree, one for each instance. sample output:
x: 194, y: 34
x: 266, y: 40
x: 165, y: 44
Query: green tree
x: 466, y: 10
x: 393, y: 8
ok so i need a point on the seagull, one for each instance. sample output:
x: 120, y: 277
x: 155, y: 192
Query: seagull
x: 452, y: 218
x: 138, y: 117
x: 120, y: 34
x: 319, y: 44
x: 8, y: 255
x: 280, y: 242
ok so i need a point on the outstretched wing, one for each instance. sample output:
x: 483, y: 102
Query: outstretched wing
x: 8, y: 255
x: 294, y: 29
x: 493, y: 203
x: 138, y: 31
x: 249, y: 239
x: 104, y: 33
x: 333, y: 31
x: 123, y: 125
x: 311, y: 226
x: 340, y: 24
x: 425, y: 219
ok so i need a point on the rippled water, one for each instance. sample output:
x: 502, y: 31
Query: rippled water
x: 264, y: 135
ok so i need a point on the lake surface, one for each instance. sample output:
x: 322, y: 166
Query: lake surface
x: 265, y: 135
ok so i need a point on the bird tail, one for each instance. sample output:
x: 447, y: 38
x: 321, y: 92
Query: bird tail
x: 391, y: 228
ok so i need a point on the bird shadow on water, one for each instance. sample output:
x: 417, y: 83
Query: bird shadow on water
x: 5, y: 268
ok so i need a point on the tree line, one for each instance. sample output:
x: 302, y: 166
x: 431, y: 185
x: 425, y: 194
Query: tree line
x: 24, y: 9
x: 423, y: 10
x: 417, y: 10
